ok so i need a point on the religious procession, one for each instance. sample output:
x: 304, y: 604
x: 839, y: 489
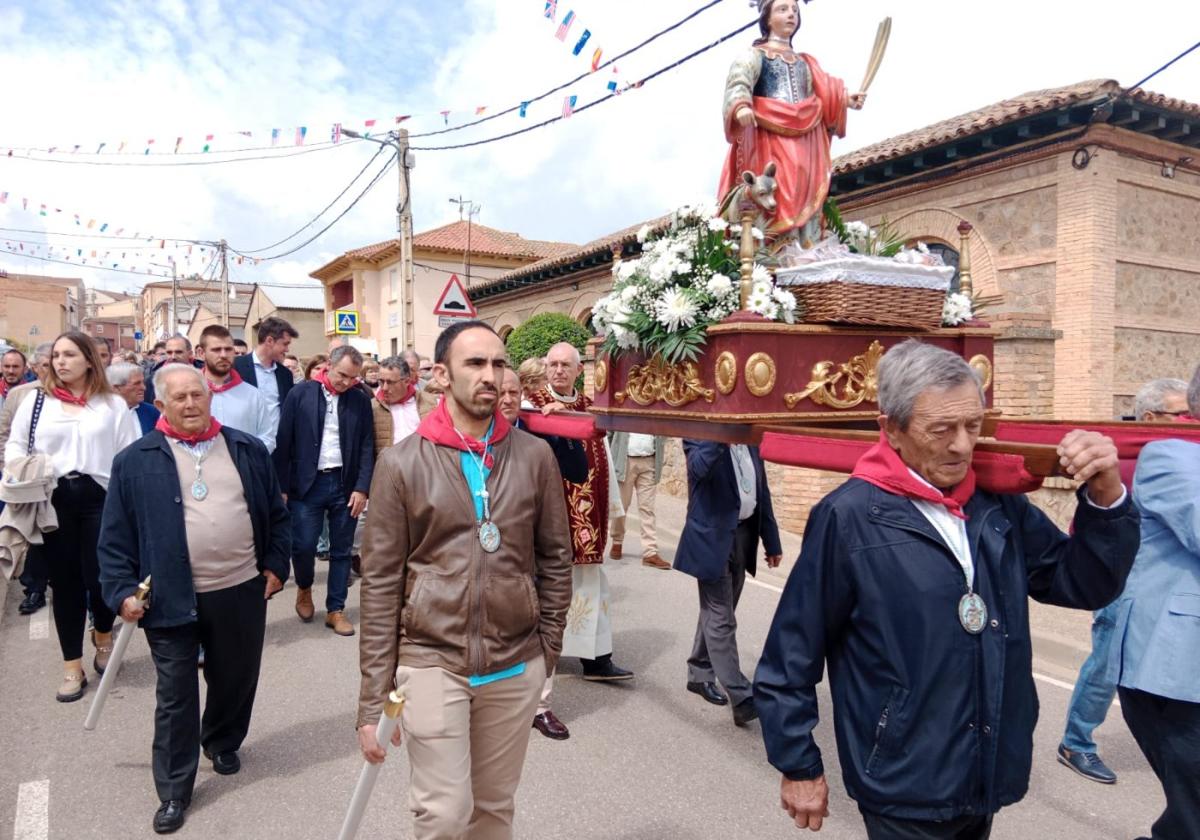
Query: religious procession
x: 910, y: 447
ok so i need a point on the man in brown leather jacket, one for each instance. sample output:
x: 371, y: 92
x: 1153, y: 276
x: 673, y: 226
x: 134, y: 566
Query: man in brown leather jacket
x: 465, y: 588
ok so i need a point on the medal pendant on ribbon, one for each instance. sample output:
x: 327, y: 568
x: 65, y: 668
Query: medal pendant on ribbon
x: 489, y: 536
x: 199, y: 490
x: 972, y: 613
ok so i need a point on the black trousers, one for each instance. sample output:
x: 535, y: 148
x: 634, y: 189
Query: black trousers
x: 35, y: 576
x: 714, y: 650
x: 70, y: 555
x: 1168, y: 732
x: 230, y: 624
x: 960, y: 828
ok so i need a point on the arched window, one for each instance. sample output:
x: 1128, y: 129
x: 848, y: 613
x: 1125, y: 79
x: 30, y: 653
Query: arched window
x: 949, y: 257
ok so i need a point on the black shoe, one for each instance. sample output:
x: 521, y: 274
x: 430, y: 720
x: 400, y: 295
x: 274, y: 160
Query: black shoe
x: 745, y: 712
x: 33, y: 602
x: 226, y: 763
x: 1087, y: 764
x: 602, y: 670
x: 169, y: 816
x: 709, y: 692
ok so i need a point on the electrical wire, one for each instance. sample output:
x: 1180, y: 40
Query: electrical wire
x: 23, y: 255
x: 150, y: 161
x: 593, y: 103
x: 378, y: 175
x: 109, y: 236
x: 577, y: 79
x: 1164, y: 67
x: 324, y: 210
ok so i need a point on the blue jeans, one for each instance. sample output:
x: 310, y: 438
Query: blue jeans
x: 325, y: 498
x: 1094, y: 690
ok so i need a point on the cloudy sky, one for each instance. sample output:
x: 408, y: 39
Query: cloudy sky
x: 113, y: 71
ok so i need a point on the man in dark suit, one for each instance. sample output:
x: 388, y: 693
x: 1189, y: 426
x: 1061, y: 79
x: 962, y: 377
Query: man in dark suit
x: 264, y: 368
x: 325, y: 455
x: 729, y: 513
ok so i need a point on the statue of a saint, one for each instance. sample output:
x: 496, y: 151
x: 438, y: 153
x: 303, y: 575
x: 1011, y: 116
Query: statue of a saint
x: 781, y: 107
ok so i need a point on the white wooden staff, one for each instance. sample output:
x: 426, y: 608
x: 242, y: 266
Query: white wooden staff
x: 114, y: 661
x: 370, y: 772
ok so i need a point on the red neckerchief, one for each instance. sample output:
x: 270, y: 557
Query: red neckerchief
x: 323, y: 378
x: 67, y: 397
x: 1186, y: 418
x: 437, y: 427
x: 881, y: 465
x: 214, y: 426
x: 235, y: 379
x: 408, y: 395
x: 5, y: 387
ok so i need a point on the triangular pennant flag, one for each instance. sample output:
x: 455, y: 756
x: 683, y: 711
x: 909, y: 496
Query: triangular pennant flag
x: 207, y: 141
x: 551, y: 9
x: 596, y: 59
x: 480, y: 109
x: 402, y: 118
x: 524, y: 107
x: 565, y: 26
x: 569, y: 106
x: 445, y: 117
x: 300, y: 132
x: 587, y: 33
x: 336, y: 136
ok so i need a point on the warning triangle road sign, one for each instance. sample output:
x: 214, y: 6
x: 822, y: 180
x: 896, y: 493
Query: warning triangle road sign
x: 454, y: 301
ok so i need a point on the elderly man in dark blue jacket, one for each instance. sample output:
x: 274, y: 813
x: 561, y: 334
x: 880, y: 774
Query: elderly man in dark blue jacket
x: 913, y: 586
x: 729, y: 514
x: 197, y: 507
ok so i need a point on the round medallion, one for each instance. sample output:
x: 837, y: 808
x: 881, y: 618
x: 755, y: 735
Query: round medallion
x: 601, y: 375
x: 489, y: 536
x: 972, y: 613
x: 982, y: 365
x: 760, y: 374
x: 199, y: 490
x: 725, y: 372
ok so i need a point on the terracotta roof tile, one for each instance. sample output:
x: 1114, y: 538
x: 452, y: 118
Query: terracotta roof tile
x: 486, y: 240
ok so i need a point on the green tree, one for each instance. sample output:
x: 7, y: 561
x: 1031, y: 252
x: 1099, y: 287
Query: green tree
x: 535, y: 337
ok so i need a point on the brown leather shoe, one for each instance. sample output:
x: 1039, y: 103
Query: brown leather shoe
x: 615, y: 553
x: 304, y: 604
x: 655, y: 562
x: 336, y: 621
x: 551, y: 726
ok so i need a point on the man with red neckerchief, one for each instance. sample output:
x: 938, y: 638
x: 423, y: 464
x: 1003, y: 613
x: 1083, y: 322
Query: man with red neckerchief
x: 465, y: 587
x: 235, y: 403
x: 196, y: 506
x: 913, y: 585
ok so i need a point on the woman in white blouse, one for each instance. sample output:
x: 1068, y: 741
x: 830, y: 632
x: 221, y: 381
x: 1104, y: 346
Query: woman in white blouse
x: 81, y: 425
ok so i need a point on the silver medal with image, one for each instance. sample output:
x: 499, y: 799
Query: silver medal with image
x: 972, y: 613
x: 199, y: 490
x: 489, y: 536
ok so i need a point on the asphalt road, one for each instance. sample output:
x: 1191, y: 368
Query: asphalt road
x: 646, y: 760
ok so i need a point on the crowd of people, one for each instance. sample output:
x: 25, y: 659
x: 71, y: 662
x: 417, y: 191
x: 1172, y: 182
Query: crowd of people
x: 221, y: 471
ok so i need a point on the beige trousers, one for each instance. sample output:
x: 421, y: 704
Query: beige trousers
x: 466, y: 748
x: 639, y: 475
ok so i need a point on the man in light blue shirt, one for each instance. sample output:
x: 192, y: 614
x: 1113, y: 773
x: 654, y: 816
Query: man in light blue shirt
x: 264, y: 368
x: 1156, y: 650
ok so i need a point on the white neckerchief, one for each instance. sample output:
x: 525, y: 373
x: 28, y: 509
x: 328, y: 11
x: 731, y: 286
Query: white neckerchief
x: 952, y: 530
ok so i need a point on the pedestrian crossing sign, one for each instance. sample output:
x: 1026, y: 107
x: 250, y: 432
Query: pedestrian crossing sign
x: 345, y: 322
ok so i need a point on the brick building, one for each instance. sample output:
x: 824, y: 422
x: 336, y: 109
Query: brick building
x: 118, y: 330
x: 34, y: 308
x: 1082, y: 207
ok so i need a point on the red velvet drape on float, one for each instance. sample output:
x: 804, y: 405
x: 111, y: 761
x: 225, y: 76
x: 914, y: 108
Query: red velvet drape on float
x: 796, y: 138
x: 576, y: 426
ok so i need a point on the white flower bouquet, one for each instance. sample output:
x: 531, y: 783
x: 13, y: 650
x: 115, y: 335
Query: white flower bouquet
x: 663, y: 302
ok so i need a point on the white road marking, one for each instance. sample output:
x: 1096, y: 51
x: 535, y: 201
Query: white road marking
x: 39, y: 624
x: 33, y: 811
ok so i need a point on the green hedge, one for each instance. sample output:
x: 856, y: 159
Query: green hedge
x: 535, y: 337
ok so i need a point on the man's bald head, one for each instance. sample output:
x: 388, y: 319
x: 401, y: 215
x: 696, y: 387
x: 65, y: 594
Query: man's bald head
x: 563, y: 366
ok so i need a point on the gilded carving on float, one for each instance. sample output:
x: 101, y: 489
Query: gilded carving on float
x: 760, y: 374
x: 676, y: 385
x: 601, y: 375
x: 983, y: 366
x: 725, y: 372
x: 856, y: 379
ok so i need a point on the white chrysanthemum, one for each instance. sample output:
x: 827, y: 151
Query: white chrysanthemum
x: 643, y: 233
x: 629, y: 293
x: 761, y: 288
x: 627, y: 269
x: 683, y: 268
x: 719, y: 285
x: 675, y: 309
x: 859, y: 230
x: 761, y: 274
x: 956, y: 309
x: 717, y: 225
x: 787, y: 304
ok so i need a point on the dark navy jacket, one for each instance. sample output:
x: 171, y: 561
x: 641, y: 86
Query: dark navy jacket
x: 142, y: 530
x: 147, y: 416
x: 712, y: 513
x: 570, y: 454
x: 932, y: 722
x: 244, y: 365
x: 301, y: 422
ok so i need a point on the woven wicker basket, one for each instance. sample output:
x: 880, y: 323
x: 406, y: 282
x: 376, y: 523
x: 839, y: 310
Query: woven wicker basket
x: 869, y: 291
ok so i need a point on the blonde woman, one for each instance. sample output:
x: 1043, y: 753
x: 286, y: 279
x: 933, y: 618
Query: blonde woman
x: 532, y: 373
x: 80, y: 424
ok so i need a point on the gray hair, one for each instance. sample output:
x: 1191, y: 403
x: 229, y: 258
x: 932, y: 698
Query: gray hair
x: 343, y: 352
x: 45, y: 350
x: 1193, y: 394
x: 910, y: 368
x: 119, y: 373
x: 1152, y: 396
x: 397, y: 363
x: 177, y: 337
x: 160, y: 377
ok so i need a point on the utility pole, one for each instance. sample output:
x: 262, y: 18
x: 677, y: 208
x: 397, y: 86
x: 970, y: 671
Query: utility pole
x: 174, y: 297
x: 398, y: 140
x: 224, y: 285
x: 471, y: 209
